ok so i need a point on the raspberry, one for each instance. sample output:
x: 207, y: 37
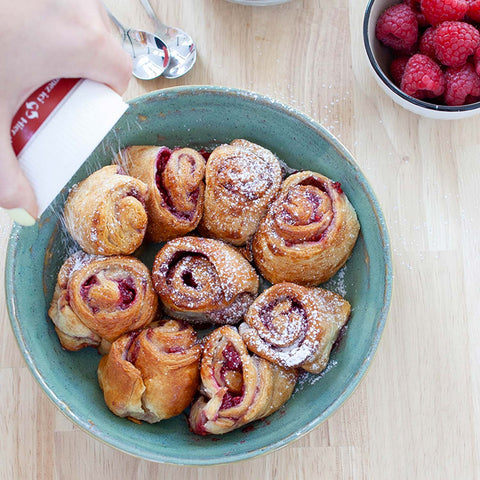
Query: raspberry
x: 423, y: 78
x: 397, y: 28
x: 455, y: 42
x: 397, y: 68
x: 476, y: 60
x: 474, y: 10
x: 415, y: 6
x: 426, y: 45
x: 438, y: 11
x: 462, y: 85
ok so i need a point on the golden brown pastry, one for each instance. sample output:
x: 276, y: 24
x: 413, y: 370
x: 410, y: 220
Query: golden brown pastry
x: 236, y: 387
x: 241, y: 180
x: 97, y: 299
x: 151, y: 374
x: 309, y: 231
x: 295, y: 326
x: 105, y: 213
x: 176, y: 187
x: 204, y: 281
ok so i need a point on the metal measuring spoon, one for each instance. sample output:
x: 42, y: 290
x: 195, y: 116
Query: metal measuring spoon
x: 150, y: 55
x: 183, y: 52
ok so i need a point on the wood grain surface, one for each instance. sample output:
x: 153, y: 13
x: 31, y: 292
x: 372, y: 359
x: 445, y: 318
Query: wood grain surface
x: 416, y: 414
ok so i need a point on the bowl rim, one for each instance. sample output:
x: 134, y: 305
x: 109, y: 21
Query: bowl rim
x: 350, y: 387
x: 391, y: 86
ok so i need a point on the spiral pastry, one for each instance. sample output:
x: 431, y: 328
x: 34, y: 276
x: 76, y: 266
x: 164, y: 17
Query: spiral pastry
x: 309, y: 231
x: 176, y: 188
x: 295, y: 326
x: 204, y: 281
x: 236, y: 387
x: 105, y: 213
x: 151, y: 374
x: 97, y: 299
x: 241, y: 180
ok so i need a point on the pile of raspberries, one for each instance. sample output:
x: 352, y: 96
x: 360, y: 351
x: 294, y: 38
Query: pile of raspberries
x: 436, y: 47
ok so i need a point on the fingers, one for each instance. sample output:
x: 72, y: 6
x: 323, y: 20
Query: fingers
x: 15, y: 190
x: 107, y: 62
x: 101, y: 56
x: 87, y: 48
x: 112, y: 66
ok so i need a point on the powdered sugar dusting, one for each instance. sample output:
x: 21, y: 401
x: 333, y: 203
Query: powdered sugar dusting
x: 222, y: 279
x: 306, y: 379
x: 337, y: 283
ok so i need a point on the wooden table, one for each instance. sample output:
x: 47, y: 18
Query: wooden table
x: 416, y: 415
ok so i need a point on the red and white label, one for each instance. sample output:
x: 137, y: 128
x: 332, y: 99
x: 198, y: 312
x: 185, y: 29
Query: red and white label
x: 37, y: 108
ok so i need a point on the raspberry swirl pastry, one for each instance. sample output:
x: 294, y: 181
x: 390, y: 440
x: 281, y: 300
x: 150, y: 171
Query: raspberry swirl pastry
x: 151, y: 374
x: 204, y: 281
x: 97, y: 299
x: 176, y: 188
x: 236, y: 387
x: 308, y: 233
x: 295, y: 326
x: 241, y: 180
x: 105, y: 213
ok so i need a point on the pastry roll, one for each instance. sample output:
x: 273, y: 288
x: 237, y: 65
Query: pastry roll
x: 295, y: 326
x: 204, y: 281
x: 97, y: 299
x: 151, y: 374
x: 308, y: 233
x: 105, y: 213
x: 241, y: 180
x: 236, y: 387
x: 176, y: 188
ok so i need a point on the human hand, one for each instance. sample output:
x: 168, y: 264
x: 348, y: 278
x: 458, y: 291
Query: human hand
x: 41, y: 41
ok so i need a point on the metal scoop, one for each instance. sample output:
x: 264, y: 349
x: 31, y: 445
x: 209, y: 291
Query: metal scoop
x: 183, y: 52
x: 150, y: 55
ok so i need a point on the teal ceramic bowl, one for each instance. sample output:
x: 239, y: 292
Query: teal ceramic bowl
x: 203, y: 117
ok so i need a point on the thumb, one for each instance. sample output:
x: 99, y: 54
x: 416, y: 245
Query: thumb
x: 15, y: 190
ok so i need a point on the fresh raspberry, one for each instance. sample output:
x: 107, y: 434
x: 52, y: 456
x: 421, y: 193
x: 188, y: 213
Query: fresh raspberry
x: 462, y: 85
x: 397, y: 28
x: 476, y: 60
x: 397, y: 68
x: 438, y: 11
x: 423, y: 78
x: 455, y: 42
x: 426, y: 44
x: 474, y: 10
x: 415, y: 6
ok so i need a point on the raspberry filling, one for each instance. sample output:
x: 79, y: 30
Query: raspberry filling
x: 338, y: 187
x: 132, y: 348
x: 315, y: 182
x: 87, y: 285
x: 136, y: 194
x: 162, y: 159
x: 204, y: 153
x: 231, y: 374
x: 232, y: 360
x: 126, y: 292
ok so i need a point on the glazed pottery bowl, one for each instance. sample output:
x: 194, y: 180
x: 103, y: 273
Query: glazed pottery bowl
x: 379, y: 58
x: 203, y: 117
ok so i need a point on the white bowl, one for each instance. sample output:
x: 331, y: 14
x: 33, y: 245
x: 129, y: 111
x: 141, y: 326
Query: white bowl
x: 379, y: 58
